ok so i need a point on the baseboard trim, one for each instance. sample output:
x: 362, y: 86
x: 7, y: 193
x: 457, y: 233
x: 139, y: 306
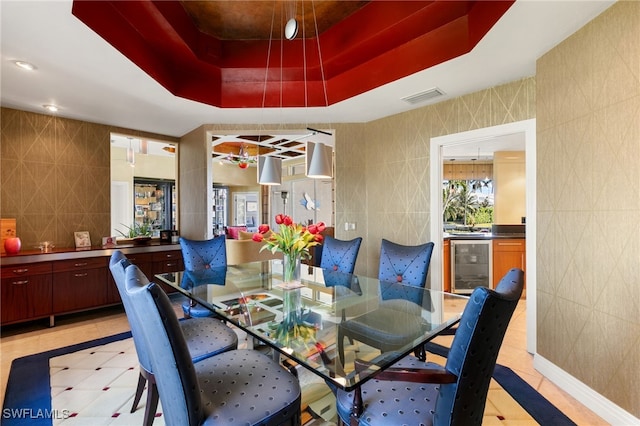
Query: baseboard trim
x: 597, y: 403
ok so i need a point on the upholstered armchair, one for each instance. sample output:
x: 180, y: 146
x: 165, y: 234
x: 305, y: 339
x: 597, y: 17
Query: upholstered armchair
x: 415, y: 392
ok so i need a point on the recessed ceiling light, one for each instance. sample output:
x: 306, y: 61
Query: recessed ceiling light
x: 25, y: 65
x: 50, y: 108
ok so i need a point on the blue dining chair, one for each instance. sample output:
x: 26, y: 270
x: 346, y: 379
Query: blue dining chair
x: 391, y: 324
x: 237, y: 387
x: 415, y: 392
x: 404, y: 264
x: 201, y: 255
x: 340, y: 255
x: 205, y: 337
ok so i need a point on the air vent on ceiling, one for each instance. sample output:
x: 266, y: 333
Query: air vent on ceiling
x: 423, y: 96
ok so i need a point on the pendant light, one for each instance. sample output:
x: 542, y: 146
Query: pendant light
x: 269, y: 170
x: 319, y: 157
x: 319, y: 160
x: 130, y: 155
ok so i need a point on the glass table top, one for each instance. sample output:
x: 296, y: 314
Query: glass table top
x: 302, y: 320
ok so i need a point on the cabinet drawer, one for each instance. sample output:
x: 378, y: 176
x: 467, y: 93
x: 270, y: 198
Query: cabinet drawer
x: 167, y: 255
x: 81, y: 289
x: 79, y: 264
x: 26, y: 297
x: 137, y: 258
x: 27, y: 269
x: 509, y: 245
x: 174, y: 265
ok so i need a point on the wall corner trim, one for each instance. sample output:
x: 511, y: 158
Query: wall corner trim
x: 600, y: 405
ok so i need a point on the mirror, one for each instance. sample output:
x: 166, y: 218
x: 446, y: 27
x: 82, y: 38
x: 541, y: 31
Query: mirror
x: 143, y: 182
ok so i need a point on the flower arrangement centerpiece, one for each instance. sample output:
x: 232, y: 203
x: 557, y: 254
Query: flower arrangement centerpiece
x: 293, y: 240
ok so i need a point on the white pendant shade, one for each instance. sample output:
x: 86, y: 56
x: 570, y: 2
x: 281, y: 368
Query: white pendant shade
x: 319, y: 160
x: 130, y: 155
x: 269, y: 170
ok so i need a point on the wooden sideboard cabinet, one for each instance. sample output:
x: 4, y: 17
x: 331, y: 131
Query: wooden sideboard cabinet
x: 26, y: 292
x: 508, y: 253
x: 79, y: 284
x: 48, y: 285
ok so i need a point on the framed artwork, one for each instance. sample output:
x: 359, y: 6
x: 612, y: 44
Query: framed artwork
x: 108, y: 242
x: 83, y: 240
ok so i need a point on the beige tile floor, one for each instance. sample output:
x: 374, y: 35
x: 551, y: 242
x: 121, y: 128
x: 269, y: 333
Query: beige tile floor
x: 21, y: 340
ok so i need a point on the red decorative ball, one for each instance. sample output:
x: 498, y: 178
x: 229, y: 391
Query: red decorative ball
x: 12, y: 245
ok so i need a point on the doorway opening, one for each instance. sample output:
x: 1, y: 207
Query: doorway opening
x: 438, y: 145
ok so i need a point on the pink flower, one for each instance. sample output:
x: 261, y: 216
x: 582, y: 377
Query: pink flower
x: 257, y: 237
x: 287, y: 220
x: 263, y: 229
x: 280, y: 219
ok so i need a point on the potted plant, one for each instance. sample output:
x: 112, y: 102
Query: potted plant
x: 140, y: 233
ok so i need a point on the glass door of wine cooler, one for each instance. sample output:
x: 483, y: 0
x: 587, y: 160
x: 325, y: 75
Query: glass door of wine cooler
x: 471, y: 265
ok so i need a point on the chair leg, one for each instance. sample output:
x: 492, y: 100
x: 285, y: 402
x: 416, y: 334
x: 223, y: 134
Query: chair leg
x: 142, y: 380
x: 420, y: 353
x: 344, y: 318
x: 152, y: 402
x: 341, y: 347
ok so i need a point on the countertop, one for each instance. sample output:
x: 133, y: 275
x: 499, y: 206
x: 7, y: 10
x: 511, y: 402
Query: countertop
x: 66, y: 253
x: 482, y: 236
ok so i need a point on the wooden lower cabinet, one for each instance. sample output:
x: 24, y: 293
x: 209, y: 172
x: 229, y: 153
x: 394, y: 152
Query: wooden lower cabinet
x: 158, y: 263
x: 446, y: 265
x: 26, y: 292
x: 79, y: 284
x: 44, y: 289
x: 164, y: 262
x: 508, y: 253
x: 144, y: 261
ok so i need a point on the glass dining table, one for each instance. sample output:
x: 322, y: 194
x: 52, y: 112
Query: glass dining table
x: 301, y: 321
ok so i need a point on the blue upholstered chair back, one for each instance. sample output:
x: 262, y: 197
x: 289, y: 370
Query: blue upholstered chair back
x: 175, y: 374
x: 340, y: 255
x: 204, y: 254
x: 474, y: 351
x: 118, y: 264
x: 404, y: 264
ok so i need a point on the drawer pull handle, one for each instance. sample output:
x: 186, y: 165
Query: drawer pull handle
x: 23, y: 282
x: 77, y: 265
x: 171, y: 264
x: 84, y: 274
x: 21, y: 271
x: 509, y: 244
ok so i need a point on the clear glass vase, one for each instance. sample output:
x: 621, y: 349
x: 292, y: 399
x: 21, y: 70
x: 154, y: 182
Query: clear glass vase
x: 291, y: 308
x: 291, y: 268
